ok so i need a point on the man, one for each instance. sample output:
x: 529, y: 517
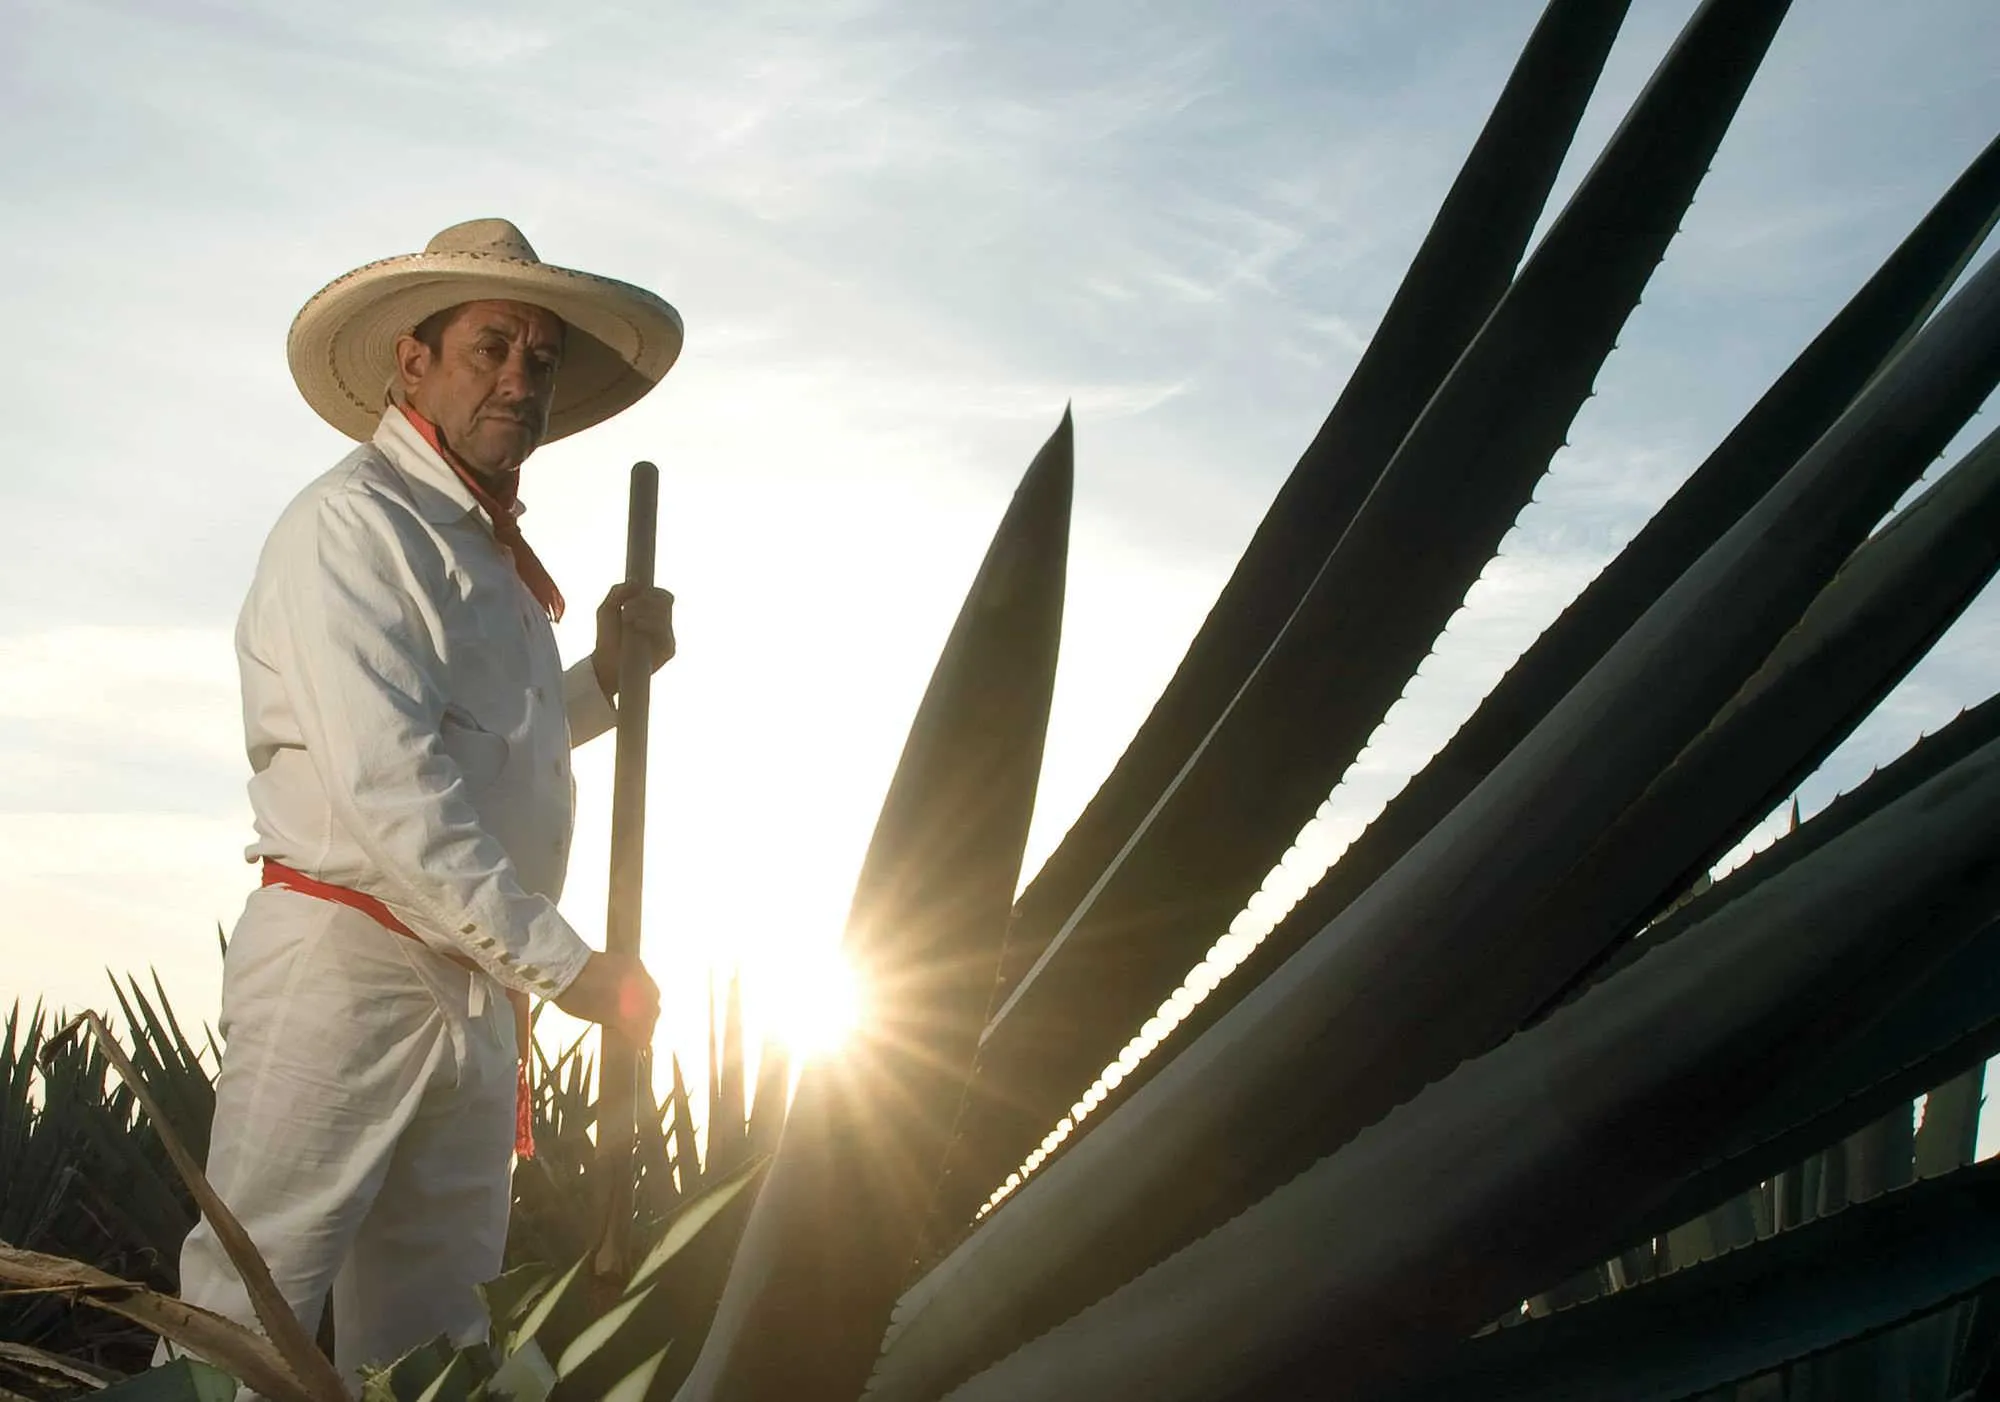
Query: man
x: 408, y: 726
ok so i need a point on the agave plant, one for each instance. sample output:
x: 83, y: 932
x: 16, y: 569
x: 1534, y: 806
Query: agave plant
x: 83, y: 1174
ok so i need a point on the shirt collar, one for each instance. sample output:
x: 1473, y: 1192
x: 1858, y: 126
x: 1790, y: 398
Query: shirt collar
x: 440, y: 496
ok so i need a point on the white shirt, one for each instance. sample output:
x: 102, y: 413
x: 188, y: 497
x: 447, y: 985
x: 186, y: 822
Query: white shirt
x: 407, y: 718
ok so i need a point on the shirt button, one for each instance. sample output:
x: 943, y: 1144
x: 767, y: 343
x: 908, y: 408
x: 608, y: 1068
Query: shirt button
x: 535, y: 692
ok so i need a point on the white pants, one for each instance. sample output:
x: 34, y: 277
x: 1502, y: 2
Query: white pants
x: 364, y: 1129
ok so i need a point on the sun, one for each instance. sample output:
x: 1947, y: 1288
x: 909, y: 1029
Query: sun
x: 814, y: 1001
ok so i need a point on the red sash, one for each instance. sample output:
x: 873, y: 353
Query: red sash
x: 276, y: 873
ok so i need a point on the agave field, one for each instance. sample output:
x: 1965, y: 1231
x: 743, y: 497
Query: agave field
x: 1515, y: 1102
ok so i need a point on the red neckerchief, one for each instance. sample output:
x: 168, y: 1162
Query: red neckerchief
x: 500, y: 510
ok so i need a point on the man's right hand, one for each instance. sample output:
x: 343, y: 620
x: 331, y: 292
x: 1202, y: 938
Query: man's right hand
x: 615, y: 991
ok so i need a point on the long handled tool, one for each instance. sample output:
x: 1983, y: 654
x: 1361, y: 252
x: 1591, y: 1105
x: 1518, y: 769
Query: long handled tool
x: 618, y: 1067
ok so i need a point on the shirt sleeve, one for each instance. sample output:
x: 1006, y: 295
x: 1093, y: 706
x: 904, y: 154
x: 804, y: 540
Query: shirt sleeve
x: 361, y: 606
x: 590, y: 711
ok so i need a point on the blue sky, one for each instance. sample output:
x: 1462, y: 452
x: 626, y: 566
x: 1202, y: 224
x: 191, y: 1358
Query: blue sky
x: 902, y: 235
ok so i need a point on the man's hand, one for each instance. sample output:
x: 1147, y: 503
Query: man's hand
x: 615, y: 991
x: 649, y: 612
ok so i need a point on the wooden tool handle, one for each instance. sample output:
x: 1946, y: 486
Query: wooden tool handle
x: 617, y: 1084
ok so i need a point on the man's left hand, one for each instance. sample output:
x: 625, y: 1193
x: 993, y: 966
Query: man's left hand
x: 649, y: 613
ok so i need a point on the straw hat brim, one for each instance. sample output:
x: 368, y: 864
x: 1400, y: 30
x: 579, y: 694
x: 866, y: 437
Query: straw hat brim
x: 621, y: 340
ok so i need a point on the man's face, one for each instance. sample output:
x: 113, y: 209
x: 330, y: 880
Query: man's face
x: 489, y: 384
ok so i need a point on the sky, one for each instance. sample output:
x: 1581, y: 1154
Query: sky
x: 903, y: 236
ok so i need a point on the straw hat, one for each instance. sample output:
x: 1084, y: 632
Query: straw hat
x: 621, y: 340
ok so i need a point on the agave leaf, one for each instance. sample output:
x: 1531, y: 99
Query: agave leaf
x: 1784, y: 423
x: 599, y: 1332
x: 1734, y: 1223
x: 696, y: 1216
x: 82, y: 1175
x: 243, y: 1352
x: 637, y: 1385
x: 672, y: 1296
x: 543, y: 1310
x: 1876, y: 619
x: 1949, y: 1135
x: 687, y: 1149
x: 657, y: 1194
x: 1457, y: 276
x: 1544, y: 1150
x: 1943, y: 1024
x: 173, y: 1071
x: 1751, y: 1311
x: 1429, y: 966
x: 1968, y: 733
x: 727, y: 1143
x: 44, y: 1367
x: 1969, y: 1338
x: 1940, y: 1026
x: 1418, y: 543
x: 128, y: 1189
x: 836, y: 1225
x: 1881, y: 1157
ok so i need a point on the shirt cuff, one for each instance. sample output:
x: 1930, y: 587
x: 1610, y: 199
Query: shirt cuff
x: 589, y: 710
x: 545, y: 964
